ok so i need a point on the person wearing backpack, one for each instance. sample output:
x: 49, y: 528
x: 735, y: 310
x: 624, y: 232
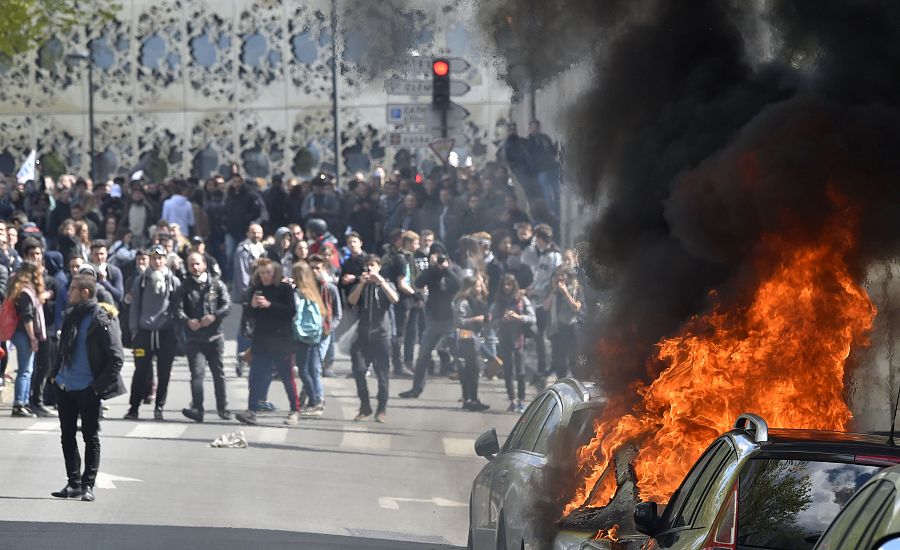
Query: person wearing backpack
x: 373, y: 296
x: 26, y: 308
x: 308, y: 331
x: 270, y: 303
x: 151, y: 320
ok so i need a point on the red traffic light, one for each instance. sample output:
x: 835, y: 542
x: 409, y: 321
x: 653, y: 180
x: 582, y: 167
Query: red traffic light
x: 440, y: 67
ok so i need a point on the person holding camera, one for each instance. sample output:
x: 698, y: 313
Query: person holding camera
x: 564, y: 305
x: 373, y: 297
x: 441, y: 282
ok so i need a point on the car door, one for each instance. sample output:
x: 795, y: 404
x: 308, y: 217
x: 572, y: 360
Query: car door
x: 682, y: 526
x: 500, y: 469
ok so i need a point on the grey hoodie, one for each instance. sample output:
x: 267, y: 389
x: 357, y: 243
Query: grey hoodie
x: 151, y: 307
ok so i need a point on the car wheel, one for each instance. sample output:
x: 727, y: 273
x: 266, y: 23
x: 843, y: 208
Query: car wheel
x: 501, y: 534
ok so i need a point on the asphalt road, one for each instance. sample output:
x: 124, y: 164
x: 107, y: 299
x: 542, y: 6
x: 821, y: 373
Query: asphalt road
x: 327, y: 483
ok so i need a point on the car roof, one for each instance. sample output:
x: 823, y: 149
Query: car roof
x: 780, y: 439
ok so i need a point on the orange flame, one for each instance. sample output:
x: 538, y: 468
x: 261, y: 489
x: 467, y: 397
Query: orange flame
x: 608, y: 534
x: 781, y: 355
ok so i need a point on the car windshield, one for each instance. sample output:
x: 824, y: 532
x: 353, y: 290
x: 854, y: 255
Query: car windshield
x: 783, y: 503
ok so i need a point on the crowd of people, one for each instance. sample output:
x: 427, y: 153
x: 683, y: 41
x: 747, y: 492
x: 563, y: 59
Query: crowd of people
x: 389, y: 269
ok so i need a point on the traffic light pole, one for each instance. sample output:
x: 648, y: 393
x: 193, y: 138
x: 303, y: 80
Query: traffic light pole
x: 334, y: 93
x: 444, y: 122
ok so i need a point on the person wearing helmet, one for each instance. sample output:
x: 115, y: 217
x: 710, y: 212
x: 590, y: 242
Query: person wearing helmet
x: 320, y: 239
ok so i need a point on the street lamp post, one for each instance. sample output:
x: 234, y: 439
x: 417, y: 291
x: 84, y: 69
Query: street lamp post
x: 90, y: 67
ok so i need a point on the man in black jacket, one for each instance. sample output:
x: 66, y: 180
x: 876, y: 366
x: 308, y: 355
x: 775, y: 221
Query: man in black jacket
x: 202, y: 304
x: 90, y: 360
x: 442, y: 282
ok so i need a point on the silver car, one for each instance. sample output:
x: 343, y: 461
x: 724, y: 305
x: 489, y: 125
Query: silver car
x: 871, y: 520
x: 504, y: 492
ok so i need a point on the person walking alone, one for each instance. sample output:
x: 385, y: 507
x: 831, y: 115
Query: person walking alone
x: 202, y: 304
x: 90, y: 360
x: 153, y: 334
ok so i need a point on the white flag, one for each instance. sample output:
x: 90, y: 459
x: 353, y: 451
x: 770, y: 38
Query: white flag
x: 26, y: 172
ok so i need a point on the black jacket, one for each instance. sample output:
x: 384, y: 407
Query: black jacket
x: 442, y: 285
x: 274, y: 328
x: 104, y: 341
x: 196, y: 300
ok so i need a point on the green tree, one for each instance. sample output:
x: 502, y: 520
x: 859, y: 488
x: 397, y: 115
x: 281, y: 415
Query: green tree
x: 25, y: 24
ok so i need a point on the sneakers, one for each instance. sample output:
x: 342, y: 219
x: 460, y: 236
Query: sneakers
x: 475, y: 406
x: 193, y: 414
x: 315, y: 410
x: 267, y: 406
x: 246, y: 417
x: 225, y: 414
x: 512, y: 407
x: 381, y: 417
x: 22, y: 411
x: 131, y: 415
x: 293, y: 419
x: 520, y: 406
x: 42, y: 411
x: 87, y: 495
x: 404, y: 372
x: 410, y: 394
x: 68, y: 491
x: 158, y: 414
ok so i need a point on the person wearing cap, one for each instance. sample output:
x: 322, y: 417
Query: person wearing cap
x: 152, y: 328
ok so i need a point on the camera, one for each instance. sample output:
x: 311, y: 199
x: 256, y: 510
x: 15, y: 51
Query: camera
x: 441, y: 259
x: 365, y: 270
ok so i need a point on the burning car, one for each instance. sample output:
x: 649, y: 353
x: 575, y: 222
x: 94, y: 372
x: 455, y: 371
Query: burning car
x: 754, y: 487
x: 506, y: 490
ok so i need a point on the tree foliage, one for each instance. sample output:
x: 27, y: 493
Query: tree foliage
x: 25, y: 24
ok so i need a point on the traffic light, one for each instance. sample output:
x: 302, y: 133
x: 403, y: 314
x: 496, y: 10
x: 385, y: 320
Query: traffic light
x: 440, y: 93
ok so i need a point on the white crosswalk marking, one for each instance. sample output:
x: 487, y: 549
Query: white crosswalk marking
x: 157, y: 431
x: 459, y: 447
x: 361, y: 439
x: 41, y: 427
x: 272, y: 435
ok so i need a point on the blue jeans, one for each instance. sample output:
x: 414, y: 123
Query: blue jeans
x: 548, y: 180
x: 309, y: 364
x: 25, y: 357
x: 264, y: 360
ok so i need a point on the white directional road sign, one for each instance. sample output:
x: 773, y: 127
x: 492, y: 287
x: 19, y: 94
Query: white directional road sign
x: 108, y: 481
x: 423, y: 113
x: 403, y: 86
x: 393, y: 503
x: 408, y: 140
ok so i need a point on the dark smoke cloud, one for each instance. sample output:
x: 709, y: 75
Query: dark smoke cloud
x: 698, y: 146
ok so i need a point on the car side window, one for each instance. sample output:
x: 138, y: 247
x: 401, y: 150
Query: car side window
x: 543, y: 441
x: 846, y: 519
x: 513, y: 440
x: 533, y: 429
x: 673, y: 511
x: 697, y: 496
